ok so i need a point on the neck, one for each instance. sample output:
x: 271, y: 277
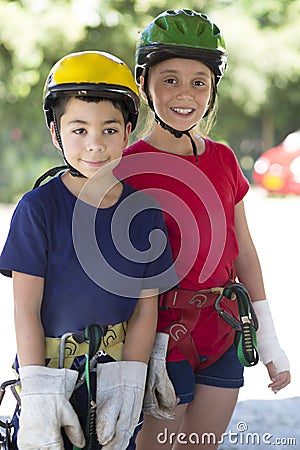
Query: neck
x: 165, y: 141
x: 98, y: 192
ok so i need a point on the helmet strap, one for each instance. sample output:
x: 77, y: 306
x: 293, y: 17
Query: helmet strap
x: 177, y: 133
x: 74, y: 172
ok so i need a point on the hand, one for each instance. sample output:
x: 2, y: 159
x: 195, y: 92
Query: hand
x: 119, y: 399
x: 45, y: 408
x: 160, y: 399
x: 280, y: 380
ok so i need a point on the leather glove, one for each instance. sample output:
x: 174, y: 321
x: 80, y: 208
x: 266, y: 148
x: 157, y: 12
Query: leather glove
x: 119, y: 399
x: 160, y: 399
x: 45, y: 408
x: 267, y: 342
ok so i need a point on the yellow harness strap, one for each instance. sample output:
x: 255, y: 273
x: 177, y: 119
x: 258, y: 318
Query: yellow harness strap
x: 112, y: 344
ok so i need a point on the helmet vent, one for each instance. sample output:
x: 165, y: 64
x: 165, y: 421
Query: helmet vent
x: 188, y: 12
x: 200, y: 29
x: 181, y: 26
x: 216, y: 30
x: 162, y: 23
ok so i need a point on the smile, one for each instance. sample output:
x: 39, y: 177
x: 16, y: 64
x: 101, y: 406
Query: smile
x: 184, y: 111
x: 94, y: 163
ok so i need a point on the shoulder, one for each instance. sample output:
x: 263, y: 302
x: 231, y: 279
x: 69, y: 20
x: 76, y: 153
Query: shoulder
x: 220, y: 148
x: 41, y: 198
x: 136, y: 147
x: 223, y: 153
x: 43, y: 191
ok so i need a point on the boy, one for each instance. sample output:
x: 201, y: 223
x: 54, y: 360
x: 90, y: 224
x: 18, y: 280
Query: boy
x: 79, y: 253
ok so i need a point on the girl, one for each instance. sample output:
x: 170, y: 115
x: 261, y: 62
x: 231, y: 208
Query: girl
x: 180, y: 59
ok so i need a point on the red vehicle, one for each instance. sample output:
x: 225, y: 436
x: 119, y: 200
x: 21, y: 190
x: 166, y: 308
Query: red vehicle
x: 278, y: 169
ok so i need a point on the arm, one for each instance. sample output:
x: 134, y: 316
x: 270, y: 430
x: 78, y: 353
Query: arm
x: 45, y: 391
x: 28, y: 294
x: 247, y: 264
x: 142, y: 328
x: 249, y: 273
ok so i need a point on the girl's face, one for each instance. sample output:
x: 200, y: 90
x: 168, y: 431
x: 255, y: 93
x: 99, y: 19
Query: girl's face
x: 180, y: 90
x: 93, y: 136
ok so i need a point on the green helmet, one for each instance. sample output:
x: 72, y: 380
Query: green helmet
x: 181, y: 33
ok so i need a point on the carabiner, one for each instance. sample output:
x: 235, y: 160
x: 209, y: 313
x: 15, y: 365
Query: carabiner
x: 62, y: 346
x: 232, y: 321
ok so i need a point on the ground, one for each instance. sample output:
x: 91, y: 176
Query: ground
x: 261, y: 419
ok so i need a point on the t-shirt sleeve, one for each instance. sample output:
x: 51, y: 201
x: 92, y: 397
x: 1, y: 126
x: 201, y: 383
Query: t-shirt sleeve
x: 241, y: 183
x: 25, y: 249
x: 159, y: 271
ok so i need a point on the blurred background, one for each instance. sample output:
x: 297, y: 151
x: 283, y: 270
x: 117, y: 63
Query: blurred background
x: 259, y: 97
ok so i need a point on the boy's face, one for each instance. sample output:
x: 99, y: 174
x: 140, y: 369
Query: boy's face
x: 93, y: 136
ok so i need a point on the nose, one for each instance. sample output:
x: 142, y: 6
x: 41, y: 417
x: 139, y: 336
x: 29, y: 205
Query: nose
x: 185, y: 91
x: 95, y: 143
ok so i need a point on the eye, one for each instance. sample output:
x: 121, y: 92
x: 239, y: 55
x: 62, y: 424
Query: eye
x: 170, y: 80
x: 79, y: 131
x: 110, y: 131
x: 199, y: 83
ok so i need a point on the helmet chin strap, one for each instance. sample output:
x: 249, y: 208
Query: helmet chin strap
x: 177, y: 133
x: 74, y: 172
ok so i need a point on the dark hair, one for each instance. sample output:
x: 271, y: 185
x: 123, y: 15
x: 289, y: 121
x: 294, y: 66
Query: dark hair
x: 62, y: 101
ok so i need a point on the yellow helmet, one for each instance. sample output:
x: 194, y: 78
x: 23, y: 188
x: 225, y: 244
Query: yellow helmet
x: 91, y: 73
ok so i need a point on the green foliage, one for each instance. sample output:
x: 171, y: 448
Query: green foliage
x: 260, y: 90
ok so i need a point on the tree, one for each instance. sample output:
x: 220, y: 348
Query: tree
x: 258, y: 98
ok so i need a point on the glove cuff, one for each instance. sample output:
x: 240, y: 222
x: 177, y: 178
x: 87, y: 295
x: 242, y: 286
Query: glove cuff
x: 160, y: 346
x: 120, y: 373
x: 47, y: 380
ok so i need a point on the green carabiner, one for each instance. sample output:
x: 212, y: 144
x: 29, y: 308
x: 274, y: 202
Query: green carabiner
x: 245, y: 336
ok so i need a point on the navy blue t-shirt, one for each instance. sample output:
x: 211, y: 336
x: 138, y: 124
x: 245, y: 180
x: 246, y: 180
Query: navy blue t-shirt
x: 94, y: 261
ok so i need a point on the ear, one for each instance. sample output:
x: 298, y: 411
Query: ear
x: 53, y: 136
x: 127, y: 132
x: 142, y: 87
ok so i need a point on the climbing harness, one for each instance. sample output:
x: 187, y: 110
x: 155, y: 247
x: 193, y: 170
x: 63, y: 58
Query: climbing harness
x: 246, y: 327
x: 88, y: 344
x: 241, y: 318
x: 61, y: 352
x: 191, y: 304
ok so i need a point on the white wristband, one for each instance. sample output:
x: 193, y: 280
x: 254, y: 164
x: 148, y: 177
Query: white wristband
x: 268, y: 345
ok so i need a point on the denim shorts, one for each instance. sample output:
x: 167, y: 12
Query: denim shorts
x: 226, y: 372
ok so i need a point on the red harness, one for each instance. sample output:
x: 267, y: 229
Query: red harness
x: 191, y: 303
